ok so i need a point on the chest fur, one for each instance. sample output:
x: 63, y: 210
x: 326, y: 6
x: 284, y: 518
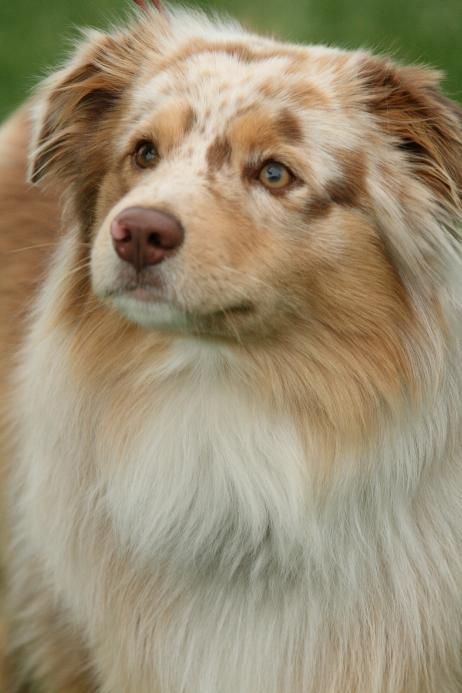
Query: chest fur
x: 197, y: 512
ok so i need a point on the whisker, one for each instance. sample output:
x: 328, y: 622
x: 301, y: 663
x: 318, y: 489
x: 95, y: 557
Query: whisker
x: 31, y: 247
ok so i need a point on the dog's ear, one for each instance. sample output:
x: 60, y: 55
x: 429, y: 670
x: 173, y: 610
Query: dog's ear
x: 74, y: 103
x: 419, y: 199
x: 421, y: 121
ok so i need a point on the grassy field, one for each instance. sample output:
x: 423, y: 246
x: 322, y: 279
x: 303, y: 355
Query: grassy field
x: 34, y: 34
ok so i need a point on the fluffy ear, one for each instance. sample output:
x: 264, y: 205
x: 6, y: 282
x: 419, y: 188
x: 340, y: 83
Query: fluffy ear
x: 418, y: 199
x: 423, y: 123
x: 76, y: 102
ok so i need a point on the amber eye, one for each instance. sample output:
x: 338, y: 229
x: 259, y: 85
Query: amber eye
x: 275, y: 176
x: 145, y: 154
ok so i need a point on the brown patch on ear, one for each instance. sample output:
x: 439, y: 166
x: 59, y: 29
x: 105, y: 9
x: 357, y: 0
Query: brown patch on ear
x: 77, y: 103
x: 424, y: 124
x: 218, y: 154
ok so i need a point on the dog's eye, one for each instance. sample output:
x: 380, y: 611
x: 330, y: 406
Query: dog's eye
x: 275, y: 176
x: 145, y: 154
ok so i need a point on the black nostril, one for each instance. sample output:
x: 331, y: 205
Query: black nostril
x: 155, y: 240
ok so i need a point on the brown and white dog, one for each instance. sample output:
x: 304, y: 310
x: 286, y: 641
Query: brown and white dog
x: 232, y: 421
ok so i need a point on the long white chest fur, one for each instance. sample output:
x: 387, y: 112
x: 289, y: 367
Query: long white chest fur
x: 191, y: 537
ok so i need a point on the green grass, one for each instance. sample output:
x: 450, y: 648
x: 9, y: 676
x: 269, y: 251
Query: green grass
x: 34, y: 34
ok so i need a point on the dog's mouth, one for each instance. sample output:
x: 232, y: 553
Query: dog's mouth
x: 148, y: 304
x: 145, y: 294
x: 153, y: 294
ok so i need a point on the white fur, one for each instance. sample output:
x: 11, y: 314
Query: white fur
x: 195, y: 540
x: 208, y: 503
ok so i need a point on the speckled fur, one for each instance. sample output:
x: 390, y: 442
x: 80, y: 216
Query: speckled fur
x: 251, y: 483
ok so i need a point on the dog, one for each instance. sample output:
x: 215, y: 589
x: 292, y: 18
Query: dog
x: 231, y: 369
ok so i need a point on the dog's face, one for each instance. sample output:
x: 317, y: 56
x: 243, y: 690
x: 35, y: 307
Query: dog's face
x: 237, y: 187
x: 247, y: 169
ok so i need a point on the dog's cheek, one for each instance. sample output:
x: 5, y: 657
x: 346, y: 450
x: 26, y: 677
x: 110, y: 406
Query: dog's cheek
x: 344, y: 276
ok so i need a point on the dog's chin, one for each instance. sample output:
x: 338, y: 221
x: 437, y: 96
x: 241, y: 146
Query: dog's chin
x: 155, y: 314
x: 152, y: 315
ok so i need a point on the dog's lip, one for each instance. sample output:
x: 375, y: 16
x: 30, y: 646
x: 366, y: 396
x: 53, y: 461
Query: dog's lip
x: 150, y: 295
x: 237, y: 309
x: 141, y: 291
x: 153, y: 294
x: 145, y: 294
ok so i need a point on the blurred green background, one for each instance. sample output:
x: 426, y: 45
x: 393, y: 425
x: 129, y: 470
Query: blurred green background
x: 34, y: 34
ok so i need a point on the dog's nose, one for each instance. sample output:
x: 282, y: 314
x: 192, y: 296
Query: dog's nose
x: 143, y: 236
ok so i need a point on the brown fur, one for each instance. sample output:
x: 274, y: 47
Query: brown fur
x: 328, y: 332
x: 28, y: 235
x: 238, y: 50
x: 410, y: 108
x: 218, y: 154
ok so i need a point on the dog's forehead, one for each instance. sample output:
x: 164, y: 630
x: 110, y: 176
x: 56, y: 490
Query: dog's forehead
x: 221, y: 85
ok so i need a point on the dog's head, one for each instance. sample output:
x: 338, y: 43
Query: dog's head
x: 236, y: 187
